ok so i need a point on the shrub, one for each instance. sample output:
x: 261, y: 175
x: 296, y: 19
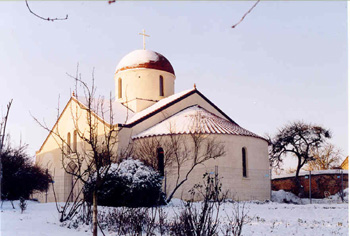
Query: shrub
x: 20, y: 177
x: 203, y: 220
x: 129, y: 183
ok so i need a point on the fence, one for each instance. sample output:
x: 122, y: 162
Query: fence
x: 315, y: 184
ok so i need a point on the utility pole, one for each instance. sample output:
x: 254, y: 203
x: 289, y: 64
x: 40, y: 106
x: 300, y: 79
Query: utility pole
x: 165, y: 173
x: 310, y: 187
x: 342, y: 187
x: 270, y: 176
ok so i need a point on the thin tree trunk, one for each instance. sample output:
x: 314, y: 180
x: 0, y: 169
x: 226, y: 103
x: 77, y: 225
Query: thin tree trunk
x: 94, y: 213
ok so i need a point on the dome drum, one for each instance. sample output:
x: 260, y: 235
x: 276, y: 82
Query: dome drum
x: 142, y: 78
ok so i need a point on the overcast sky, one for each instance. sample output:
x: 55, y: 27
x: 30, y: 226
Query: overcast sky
x: 286, y: 61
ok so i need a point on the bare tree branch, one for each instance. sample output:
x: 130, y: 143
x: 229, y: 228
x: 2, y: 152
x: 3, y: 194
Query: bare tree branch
x: 324, y: 158
x: 43, y: 18
x: 234, y: 26
x: 182, y: 152
x: 3, y: 123
x: 98, y: 139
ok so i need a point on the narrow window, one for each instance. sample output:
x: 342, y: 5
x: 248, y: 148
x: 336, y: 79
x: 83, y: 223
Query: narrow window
x: 161, y: 86
x: 120, y: 88
x: 75, y: 141
x: 160, y: 157
x: 244, y: 162
x: 68, y: 143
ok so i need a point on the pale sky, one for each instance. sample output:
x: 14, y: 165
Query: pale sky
x: 286, y: 61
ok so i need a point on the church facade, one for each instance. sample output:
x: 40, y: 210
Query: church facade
x: 146, y: 107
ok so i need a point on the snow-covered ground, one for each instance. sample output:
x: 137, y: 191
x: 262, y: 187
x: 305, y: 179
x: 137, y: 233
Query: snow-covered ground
x: 39, y: 219
x: 287, y: 197
x: 268, y: 218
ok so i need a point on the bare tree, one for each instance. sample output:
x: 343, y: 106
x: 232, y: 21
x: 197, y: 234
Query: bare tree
x: 3, y: 124
x: 290, y: 170
x: 325, y: 158
x: 44, y: 18
x: 98, y: 140
x: 204, y: 220
x: 182, y: 152
x: 298, y: 139
x: 238, y: 218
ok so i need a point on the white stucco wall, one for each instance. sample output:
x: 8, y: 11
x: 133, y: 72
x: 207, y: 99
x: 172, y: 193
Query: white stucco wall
x: 256, y: 186
x: 50, y: 154
x: 139, y: 86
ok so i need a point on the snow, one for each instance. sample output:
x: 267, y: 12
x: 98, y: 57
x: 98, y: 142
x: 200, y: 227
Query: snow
x: 282, y: 196
x: 158, y: 105
x: 136, y: 171
x: 314, y: 172
x: 285, y: 197
x: 267, y: 218
x: 337, y: 198
x: 194, y: 119
x: 137, y: 57
x: 37, y: 220
x: 133, y: 170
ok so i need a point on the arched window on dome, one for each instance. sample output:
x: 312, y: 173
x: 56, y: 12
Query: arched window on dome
x: 120, y: 88
x: 161, y: 86
x: 244, y: 162
x: 160, y: 158
x: 68, y: 143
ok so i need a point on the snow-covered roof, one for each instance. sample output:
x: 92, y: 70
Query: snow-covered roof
x: 101, y: 108
x: 158, y: 105
x: 144, y: 59
x: 314, y: 172
x: 195, y: 119
x: 123, y: 115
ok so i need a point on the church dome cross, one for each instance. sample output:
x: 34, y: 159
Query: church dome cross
x: 144, y: 39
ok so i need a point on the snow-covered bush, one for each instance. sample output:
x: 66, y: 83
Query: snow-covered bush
x: 129, y: 183
x: 346, y: 195
x: 337, y: 197
x: 282, y: 196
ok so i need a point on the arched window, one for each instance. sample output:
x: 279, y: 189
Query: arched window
x: 68, y: 143
x: 244, y: 162
x: 75, y: 138
x: 160, y: 157
x: 161, y: 86
x: 120, y: 88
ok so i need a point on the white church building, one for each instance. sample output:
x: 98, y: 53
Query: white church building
x: 145, y: 104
